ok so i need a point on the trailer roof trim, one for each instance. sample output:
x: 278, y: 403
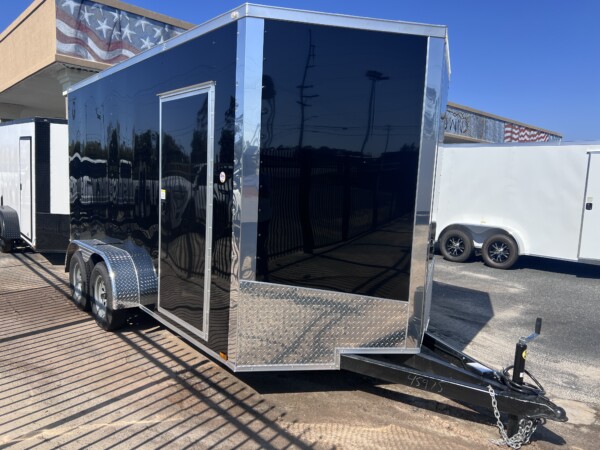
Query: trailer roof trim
x: 34, y: 119
x: 522, y: 144
x: 341, y: 20
x: 277, y: 13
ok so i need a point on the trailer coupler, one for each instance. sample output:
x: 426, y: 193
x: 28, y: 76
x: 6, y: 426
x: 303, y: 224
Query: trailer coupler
x: 445, y: 371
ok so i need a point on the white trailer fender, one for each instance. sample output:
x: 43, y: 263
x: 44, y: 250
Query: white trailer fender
x: 480, y: 233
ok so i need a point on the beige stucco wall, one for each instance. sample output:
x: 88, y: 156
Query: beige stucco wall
x: 29, y: 43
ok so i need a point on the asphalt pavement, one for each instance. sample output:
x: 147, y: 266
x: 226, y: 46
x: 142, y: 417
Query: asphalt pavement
x: 484, y: 311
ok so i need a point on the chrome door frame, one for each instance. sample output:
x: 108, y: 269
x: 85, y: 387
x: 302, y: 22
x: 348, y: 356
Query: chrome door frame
x: 178, y: 94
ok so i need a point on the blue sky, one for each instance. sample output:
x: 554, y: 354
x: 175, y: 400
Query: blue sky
x: 533, y: 61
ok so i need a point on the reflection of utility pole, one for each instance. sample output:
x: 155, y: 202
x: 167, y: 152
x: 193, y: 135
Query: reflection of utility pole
x: 305, y: 156
x: 310, y: 61
x: 387, y: 138
x: 374, y: 76
x: 268, y: 97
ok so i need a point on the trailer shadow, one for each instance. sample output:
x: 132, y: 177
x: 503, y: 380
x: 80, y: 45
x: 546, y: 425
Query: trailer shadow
x: 55, y: 259
x: 579, y: 270
x: 458, y: 314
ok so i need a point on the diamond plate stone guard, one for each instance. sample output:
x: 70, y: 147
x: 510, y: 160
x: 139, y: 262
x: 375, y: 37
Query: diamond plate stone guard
x: 285, y: 325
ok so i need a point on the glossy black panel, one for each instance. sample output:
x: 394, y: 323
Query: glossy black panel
x: 42, y: 167
x: 341, y: 127
x: 113, y: 135
x: 52, y: 232
x: 183, y: 207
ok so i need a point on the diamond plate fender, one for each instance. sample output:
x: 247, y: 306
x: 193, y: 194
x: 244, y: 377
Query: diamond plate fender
x: 132, y: 274
x: 9, y: 223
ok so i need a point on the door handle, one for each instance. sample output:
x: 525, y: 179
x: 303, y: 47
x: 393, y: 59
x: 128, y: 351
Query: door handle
x: 589, y: 206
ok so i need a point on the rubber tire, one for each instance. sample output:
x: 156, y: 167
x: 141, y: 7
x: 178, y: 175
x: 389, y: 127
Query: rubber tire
x: 82, y: 298
x: 6, y: 246
x: 106, y: 317
x: 460, y: 236
x: 500, y: 242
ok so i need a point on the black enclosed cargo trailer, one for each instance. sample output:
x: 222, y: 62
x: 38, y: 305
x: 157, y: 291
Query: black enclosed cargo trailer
x: 278, y: 166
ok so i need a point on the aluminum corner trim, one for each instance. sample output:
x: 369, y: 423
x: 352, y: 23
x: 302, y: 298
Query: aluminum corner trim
x: 421, y: 267
x: 248, y: 95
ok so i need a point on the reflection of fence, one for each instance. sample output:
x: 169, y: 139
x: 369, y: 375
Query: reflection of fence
x: 348, y: 195
x: 125, y: 189
x: 91, y: 186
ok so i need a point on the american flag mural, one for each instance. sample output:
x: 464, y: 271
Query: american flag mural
x: 96, y: 32
x: 519, y: 133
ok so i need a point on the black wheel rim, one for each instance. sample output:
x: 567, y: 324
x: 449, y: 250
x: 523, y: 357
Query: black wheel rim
x: 455, y: 246
x: 498, y: 252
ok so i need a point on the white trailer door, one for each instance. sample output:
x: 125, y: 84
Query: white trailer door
x: 25, y: 180
x: 589, y: 247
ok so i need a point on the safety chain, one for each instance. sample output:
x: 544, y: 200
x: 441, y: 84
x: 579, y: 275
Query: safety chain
x: 526, y: 427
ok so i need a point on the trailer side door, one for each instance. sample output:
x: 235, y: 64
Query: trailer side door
x: 186, y: 190
x: 25, y: 181
x: 589, y: 246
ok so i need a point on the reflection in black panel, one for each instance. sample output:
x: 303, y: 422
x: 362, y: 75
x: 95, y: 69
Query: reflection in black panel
x: 183, y: 207
x: 113, y: 146
x: 42, y: 167
x: 340, y: 131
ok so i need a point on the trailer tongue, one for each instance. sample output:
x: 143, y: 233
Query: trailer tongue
x: 443, y: 370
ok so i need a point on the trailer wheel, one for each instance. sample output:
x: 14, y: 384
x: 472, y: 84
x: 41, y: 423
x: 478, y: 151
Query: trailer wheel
x: 79, y: 282
x: 456, y: 245
x: 500, y: 251
x: 101, y: 300
x: 6, y: 245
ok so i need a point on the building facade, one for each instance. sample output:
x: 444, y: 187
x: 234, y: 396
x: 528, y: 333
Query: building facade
x: 56, y: 43
x: 464, y: 125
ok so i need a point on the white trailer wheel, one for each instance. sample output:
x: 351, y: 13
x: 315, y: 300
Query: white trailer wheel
x: 500, y: 251
x: 101, y: 300
x: 456, y: 245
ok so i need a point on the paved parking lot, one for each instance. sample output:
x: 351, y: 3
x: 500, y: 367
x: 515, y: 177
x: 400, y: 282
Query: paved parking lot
x: 64, y: 383
x: 485, y: 311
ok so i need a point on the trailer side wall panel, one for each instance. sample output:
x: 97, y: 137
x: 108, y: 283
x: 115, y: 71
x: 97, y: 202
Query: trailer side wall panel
x: 341, y: 128
x: 114, y: 134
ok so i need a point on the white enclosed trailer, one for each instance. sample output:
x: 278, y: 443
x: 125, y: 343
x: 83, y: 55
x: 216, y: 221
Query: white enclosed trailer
x: 518, y: 199
x: 34, y: 184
